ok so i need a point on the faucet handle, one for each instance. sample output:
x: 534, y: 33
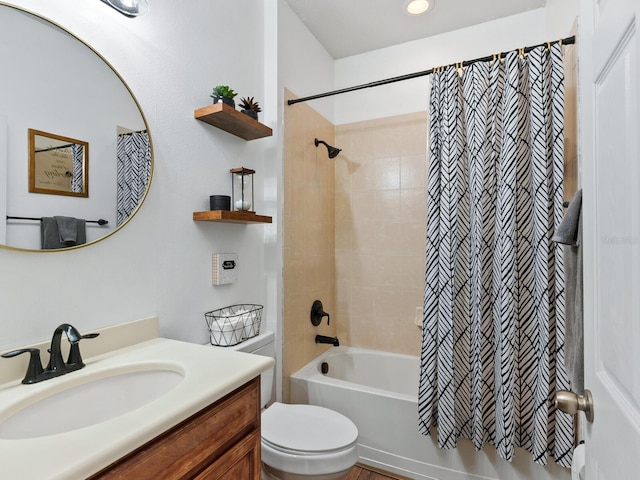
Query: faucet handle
x: 73, y: 335
x: 75, y: 359
x: 317, y: 312
x: 34, y: 369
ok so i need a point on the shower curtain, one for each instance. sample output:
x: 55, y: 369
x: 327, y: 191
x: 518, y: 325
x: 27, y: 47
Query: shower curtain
x: 493, y: 333
x: 77, y: 181
x: 133, y: 172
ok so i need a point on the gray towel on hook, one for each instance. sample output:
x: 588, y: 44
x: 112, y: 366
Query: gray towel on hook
x: 569, y: 233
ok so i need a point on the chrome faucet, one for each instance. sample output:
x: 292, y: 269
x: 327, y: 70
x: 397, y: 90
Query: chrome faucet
x: 56, y: 366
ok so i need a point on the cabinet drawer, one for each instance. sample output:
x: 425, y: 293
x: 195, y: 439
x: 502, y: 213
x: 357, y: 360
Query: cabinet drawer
x: 191, y: 446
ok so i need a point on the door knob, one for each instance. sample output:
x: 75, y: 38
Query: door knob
x: 571, y: 403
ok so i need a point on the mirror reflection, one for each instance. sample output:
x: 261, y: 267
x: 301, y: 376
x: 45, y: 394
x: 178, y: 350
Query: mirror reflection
x: 58, y: 165
x: 55, y: 87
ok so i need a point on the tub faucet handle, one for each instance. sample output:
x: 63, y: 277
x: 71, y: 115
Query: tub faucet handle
x: 317, y: 312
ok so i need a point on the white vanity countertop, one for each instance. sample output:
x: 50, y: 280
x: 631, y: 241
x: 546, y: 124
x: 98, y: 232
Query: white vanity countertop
x: 209, y: 374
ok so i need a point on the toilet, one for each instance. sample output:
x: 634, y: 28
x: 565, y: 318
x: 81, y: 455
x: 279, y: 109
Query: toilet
x: 300, y: 442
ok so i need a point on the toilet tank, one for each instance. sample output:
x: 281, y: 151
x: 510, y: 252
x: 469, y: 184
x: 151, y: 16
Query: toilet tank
x: 262, y: 344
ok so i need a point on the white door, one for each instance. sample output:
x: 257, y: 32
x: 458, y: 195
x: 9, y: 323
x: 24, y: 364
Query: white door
x: 609, y: 137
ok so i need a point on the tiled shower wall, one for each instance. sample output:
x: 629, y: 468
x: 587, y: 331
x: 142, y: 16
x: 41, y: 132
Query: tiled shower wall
x: 380, y: 231
x: 309, y: 235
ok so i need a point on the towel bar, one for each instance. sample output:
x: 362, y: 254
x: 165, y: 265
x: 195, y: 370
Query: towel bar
x: 100, y: 221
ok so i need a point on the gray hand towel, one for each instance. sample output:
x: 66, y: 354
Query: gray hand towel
x: 53, y: 237
x: 49, y: 233
x: 569, y: 232
x: 68, y: 230
x: 81, y: 231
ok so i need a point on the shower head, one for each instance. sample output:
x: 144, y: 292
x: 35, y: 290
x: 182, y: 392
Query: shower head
x: 333, y: 151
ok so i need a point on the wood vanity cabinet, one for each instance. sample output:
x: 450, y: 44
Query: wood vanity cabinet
x: 221, y: 442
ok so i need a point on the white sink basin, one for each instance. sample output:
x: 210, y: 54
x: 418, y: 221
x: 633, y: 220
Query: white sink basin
x: 89, y: 403
x: 142, y: 390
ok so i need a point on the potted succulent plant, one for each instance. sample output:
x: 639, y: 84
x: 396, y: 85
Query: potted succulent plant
x: 223, y: 94
x: 250, y: 107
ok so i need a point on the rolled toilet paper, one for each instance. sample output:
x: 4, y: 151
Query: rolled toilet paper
x: 578, y: 463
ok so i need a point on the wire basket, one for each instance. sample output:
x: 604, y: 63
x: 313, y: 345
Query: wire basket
x: 234, y: 324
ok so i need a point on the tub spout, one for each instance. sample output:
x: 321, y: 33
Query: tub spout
x: 330, y: 340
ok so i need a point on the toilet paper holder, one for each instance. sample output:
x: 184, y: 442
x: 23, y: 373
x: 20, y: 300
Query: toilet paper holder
x: 571, y: 403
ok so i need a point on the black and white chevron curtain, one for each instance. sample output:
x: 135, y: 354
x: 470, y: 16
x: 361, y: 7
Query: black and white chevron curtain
x: 493, y: 335
x: 77, y: 181
x: 133, y: 172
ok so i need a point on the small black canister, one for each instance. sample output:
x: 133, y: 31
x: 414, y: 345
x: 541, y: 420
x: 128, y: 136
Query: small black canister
x: 220, y: 202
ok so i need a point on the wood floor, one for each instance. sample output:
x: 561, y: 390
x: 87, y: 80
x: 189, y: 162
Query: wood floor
x: 364, y: 472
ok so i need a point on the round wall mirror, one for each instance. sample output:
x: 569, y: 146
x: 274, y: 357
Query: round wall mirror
x: 75, y: 148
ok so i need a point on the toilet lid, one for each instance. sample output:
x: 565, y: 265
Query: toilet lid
x: 307, y: 428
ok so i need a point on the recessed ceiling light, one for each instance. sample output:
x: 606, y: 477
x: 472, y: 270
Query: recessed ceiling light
x: 417, y: 7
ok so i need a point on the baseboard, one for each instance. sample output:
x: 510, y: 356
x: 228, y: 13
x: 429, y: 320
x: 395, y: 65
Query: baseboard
x: 381, y: 471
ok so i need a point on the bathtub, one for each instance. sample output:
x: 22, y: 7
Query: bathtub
x: 378, y: 392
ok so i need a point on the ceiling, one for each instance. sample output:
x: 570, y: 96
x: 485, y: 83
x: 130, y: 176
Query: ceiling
x: 351, y: 27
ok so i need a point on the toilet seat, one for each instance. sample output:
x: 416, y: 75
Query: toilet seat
x: 307, y: 439
x: 307, y: 428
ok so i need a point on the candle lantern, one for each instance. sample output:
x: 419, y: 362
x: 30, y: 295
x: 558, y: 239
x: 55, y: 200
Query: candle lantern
x: 242, y: 189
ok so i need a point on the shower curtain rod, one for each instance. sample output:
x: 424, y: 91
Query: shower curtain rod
x: 409, y: 76
x: 144, y: 130
x: 48, y: 149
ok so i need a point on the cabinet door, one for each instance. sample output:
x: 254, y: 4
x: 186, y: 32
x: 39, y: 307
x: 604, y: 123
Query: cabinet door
x: 193, y: 444
x: 240, y: 462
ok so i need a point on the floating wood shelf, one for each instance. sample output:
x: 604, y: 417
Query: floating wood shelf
x: 226, y: 216
x: 230, y: 120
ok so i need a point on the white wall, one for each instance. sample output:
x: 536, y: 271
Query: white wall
x: 529, y: 28
x: 305, y: 67
x: 160, y: 263
x: 3, y: 172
